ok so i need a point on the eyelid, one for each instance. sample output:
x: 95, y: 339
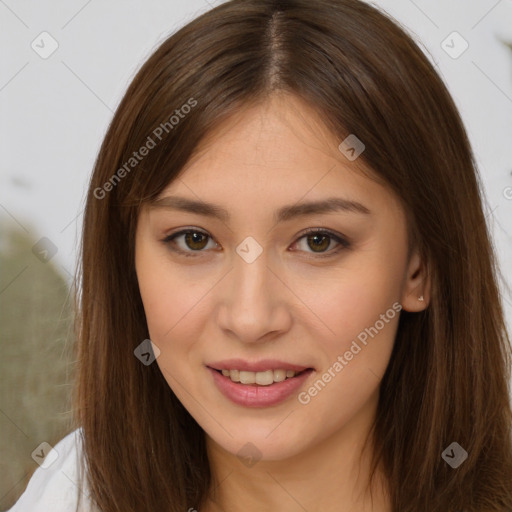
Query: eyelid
x: 341, y: 240
x: 169, y: 239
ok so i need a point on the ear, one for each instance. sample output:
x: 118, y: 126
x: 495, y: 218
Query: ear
x: 416, y: 287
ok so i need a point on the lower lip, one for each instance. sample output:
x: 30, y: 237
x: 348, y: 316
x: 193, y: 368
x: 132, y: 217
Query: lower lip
x: 253, y: 395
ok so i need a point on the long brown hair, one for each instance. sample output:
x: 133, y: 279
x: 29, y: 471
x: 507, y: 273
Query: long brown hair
x: 447, y: 380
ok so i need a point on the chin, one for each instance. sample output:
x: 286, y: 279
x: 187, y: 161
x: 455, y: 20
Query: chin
x: 257, y: 445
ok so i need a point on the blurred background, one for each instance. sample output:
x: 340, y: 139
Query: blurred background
x: 64, y: 67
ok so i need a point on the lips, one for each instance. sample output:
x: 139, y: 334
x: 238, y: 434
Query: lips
x: 253, y: 395
x: 256, y: 366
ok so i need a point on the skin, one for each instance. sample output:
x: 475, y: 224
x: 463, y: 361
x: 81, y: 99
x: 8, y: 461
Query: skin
x: 290, y: 304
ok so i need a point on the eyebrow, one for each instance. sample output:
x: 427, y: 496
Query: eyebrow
x: 285, y: 213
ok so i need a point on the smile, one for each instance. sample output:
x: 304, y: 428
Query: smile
x: 253, y: 394
x: 265, y: 378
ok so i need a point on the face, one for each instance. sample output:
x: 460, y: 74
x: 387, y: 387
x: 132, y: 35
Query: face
x: 247, y: 282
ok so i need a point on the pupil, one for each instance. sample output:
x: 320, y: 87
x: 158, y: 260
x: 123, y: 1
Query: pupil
x: 316, y: 237
x: 193, y: 238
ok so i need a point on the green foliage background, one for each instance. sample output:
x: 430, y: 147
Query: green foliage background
x: 37, y: 361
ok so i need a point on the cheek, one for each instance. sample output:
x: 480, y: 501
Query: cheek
x: 351, y: 300
x: 359, y: 311
x: 158, y: 290
x: 168, y: 306
x: 361, y: 315
x: 174, y: 302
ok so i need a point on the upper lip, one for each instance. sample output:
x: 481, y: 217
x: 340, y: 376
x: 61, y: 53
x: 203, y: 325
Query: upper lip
x: 255, y: 366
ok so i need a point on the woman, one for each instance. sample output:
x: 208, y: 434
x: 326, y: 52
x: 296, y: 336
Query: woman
x: 288, y: 295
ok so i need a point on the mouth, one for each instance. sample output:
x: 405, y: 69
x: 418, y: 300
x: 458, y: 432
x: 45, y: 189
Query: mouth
x: 259, y: 389
x: 260, y: 378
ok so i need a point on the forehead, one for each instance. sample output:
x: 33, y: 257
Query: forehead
x: 279, y: 132
x: 276, y: 152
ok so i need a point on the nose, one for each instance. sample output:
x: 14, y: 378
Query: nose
x: 253, y: 303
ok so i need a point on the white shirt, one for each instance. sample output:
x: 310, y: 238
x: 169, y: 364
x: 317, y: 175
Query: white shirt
x: 55, y: 487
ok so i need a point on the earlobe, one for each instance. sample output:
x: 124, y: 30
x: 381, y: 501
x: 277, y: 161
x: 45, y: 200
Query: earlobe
x: 416, y: 289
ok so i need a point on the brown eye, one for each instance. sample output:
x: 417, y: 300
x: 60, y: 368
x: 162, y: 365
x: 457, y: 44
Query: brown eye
x: 319, y: 241
x: 192, y: 241
x: 195, y: 240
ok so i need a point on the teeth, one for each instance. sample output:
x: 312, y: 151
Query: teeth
x: 261, y: 378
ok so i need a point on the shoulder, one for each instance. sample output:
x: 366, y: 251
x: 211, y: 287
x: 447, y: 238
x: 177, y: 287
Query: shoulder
x: 55, y: 483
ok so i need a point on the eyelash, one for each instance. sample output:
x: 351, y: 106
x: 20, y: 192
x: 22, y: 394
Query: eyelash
x: 343, y: 243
